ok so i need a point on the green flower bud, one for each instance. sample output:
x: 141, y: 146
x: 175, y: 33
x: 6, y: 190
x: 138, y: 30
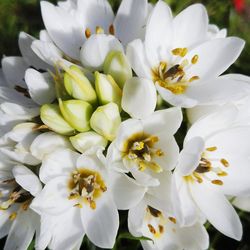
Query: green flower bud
x: 117, y: 65
x: 107, y: 90
x: 84, y: 141
x: 51, y: 116
x: 106, y: 120
x: 77, y: 113
x: 78, y: 85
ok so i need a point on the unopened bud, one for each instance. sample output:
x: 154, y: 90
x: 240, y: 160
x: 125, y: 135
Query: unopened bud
x: 117, y: 65
x: 51, y: 116
x: 106, y: 120
x: 107, y: 90
x: 77, y: 113
x: 78, y: 86
x: 84, y: 141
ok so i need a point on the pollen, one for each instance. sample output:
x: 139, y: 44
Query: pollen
x: 194, y: 78
x: 111, y: 29
x: 99, y: 30
x: 161, y: 229
x: 13, y: 216
x: 180, y: 52
x: 224, y: 162
x: 172, y: 219
x: 195, y: 59
x: 87, y: 33
x: 211, y: 149
x: 217, y: 182
x: 151, y: 229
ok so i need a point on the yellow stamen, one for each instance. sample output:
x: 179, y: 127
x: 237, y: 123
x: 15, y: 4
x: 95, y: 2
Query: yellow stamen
x: 180, y: 52
x: 13, y: 216
x: 172, y: 219
x: 194, y: 78
x: 222, y: 173
x: 211, y: 149
x: 195, y: 59
x: 87, y: 33
x: 217, y: 182
x: 224, y: 162
x: 99, y: 30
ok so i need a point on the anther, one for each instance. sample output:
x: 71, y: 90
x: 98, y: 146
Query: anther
x: 111, y: 29
x: 87, y: 33
x: 194, y: 78
x: 211, y: 149
x: 13, y: 216
x: 180, y: 52
x: 195, y: 59
x: 161, y: 229
x: 172, y: 219
x: 224, y: 162
x: 99, y: 30
x: 217, y: 182
x: 151, y: 229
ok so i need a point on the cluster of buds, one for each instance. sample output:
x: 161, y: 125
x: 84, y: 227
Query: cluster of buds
x: 88, y: 106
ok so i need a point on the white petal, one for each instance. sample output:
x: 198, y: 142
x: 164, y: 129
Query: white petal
x: 195, y: 237
x: 41, y: 86
x: 125, y: 191
x: 95, y: 13
x: 217, y: 210
x: 190, y: 156
x: 59, y: 163
x: 101, y: 224
x: 215, y: 56
x: 135, y: 219
x: 139, y: 97
x: 25, y: 41
x: 130, y: 19
x: 167, y: 121
x: 137, y: 58
x: 218, y: 91
x: 13, y: 70
x: 190, y: 26
x: 181, y: 100
x: 47, y: 51
x: 96, y: 48
x: 212, y: 123
x: 159, y: 33
x: 22, y: 231
x: 65, y: 32
x: 48, y: 142
x: 53, y: 199
x: 242, y: 203
x: 27, y: 179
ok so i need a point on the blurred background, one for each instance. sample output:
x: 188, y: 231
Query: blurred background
x: 24, y: 15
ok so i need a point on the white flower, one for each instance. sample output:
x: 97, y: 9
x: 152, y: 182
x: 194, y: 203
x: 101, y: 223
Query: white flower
x: 146, y: 147
x: 77, y: 189
x: 19, y: 186
x: 183, y: 63
x: 214, y: 32
x: 213, y: 163
x: 164, y: 230
x: 76, y: 22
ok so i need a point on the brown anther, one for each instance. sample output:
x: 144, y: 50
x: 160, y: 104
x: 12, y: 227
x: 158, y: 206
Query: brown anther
x: 87, y: 33
x: 111, y: 29
x: 211, y: 149
x: 154, y: 212
x: 172, y: 219
x: 73, y: 196
x: 194, y: 78
x: 195, y: 59
x: 224, y: 162
x: 217, y: 182
x: 151, y: 229
x: 161, y: 229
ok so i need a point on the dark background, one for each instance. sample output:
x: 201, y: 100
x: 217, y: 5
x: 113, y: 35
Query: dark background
x: 24, y: 15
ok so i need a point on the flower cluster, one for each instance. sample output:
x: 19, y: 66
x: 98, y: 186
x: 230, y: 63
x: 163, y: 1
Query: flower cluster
x: 94, y: 119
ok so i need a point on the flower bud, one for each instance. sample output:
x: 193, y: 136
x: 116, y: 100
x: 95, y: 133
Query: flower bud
x: 106, y: 120
x: 117, y: 65
x: 107, y: 90
x: 51, y: 116
x: 84, y: 141
x: 78, y: 85
x: 77, y: 113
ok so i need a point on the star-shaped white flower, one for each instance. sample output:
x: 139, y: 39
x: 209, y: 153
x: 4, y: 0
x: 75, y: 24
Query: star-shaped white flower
x: 183, y: 63
x: 214, y: 162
